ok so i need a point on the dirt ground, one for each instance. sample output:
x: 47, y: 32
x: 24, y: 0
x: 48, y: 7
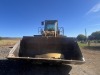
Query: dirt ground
x: 91, y: 66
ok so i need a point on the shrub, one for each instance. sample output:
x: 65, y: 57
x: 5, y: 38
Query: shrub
x: 0, y: 38
x: 98, y: 41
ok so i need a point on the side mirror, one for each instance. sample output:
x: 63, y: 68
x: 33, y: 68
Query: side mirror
x: 42, y: 23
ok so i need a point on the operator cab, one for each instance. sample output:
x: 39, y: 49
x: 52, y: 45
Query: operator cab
x: 51, y: 25
x: 50, y: 28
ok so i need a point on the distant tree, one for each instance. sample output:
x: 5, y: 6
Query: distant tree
x: 90, y: 37
x: 0, y: 38
x: 81, y: 37
x: 94, y: 36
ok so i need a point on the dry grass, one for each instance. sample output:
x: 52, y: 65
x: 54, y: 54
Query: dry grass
x: 8, y: 42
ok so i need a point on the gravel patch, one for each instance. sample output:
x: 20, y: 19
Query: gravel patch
x: 4, y: 50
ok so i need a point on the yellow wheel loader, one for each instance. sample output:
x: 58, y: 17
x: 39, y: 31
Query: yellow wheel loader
x: 51, y: 46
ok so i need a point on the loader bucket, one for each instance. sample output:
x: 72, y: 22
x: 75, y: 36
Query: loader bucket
x: 47, y: 49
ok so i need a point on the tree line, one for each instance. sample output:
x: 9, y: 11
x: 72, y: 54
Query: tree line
x: 93, y: 36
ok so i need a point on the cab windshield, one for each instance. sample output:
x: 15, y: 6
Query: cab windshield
x: 50, y: 27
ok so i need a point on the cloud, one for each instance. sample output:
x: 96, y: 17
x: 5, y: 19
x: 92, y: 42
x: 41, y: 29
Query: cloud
x: 94, y: 9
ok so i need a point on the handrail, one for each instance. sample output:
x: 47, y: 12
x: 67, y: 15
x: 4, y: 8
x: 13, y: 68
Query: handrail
x: 61, y: 29
x: 40, y: 29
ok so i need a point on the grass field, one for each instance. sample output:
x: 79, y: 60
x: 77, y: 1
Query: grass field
x: 8, y: 42
x: 93, y: 46
x: 82, y: 44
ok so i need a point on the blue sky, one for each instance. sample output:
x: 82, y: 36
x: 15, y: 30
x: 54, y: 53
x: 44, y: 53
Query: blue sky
x: 23, y: 17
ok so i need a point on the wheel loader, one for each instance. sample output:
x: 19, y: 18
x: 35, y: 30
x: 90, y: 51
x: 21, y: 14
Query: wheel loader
x: 50, y: 46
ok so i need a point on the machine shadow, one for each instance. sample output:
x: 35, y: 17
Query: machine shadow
x: 12, y: 67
